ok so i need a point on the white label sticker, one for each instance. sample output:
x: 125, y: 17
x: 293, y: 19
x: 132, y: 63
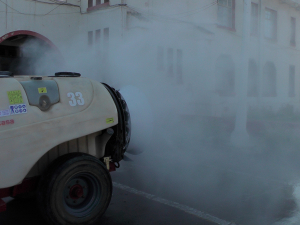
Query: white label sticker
x: 18, y: 109
x: 75, y: 101
x: 5, y: 112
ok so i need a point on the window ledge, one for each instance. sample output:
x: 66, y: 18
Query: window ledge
x: 273, y: 40
x: 98, y: 6
x: 269, y: 96
x: 224, y: 93
x: 227, y: 28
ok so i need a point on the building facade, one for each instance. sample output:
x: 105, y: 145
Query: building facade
x: 194, y: 45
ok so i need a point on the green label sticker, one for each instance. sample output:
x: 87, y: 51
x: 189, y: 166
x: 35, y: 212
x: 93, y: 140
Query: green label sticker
x: 15, y: 97
x: 42, y: 90
x: 110, y: 120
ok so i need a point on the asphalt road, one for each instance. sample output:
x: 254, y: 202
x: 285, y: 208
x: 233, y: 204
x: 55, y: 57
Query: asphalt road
x: 154, y: 189
x: 224, y: 190
x: 125, y: 209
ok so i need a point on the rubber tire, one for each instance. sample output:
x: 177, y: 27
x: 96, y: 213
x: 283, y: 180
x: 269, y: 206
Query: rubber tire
x: 54, y: 180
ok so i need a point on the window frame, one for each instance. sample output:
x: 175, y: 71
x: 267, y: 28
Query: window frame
x: 160, y: 58
x: 225, y: 76
x: 90, y: 3
x: 97, y: 36
x: 292, y: 88
x: 106, y: 33
x: 170, y: 62
x: 293, y: 32
x: 90, y: 38
x: 275, y: 34
x: 98, y: 6
x: 179, y: 66
x: 233, y: 17
x: 253, y: 79
x: 269, y: 85
x: 254, y: 20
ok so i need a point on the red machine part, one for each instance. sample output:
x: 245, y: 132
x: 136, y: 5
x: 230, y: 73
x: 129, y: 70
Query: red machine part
x: 112, y: 167
x: 2, y: 205
x: 28, y: 185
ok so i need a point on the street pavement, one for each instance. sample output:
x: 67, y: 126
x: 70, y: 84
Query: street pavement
x: 207, y: 184
x: 186, y: 182
x: 125, y: 209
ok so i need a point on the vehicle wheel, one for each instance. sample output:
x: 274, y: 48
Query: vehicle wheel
x: 75, y: 189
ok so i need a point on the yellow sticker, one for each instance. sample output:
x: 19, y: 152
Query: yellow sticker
x: 42, y: 90
x: 15, y: 97
x: 110, y: 120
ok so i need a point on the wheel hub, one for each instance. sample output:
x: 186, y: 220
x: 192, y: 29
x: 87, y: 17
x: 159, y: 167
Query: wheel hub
x: 76, y: 191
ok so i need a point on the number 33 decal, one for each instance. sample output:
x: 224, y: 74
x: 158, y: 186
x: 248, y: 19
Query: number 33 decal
x: 74, y: 101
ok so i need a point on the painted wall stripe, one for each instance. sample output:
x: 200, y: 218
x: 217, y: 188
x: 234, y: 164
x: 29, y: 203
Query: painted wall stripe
x: 176, y: 205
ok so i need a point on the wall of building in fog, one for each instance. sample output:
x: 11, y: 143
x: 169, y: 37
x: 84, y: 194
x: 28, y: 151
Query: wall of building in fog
x: 59, y: 25
x: 273, y: 73
x: 195, y: 45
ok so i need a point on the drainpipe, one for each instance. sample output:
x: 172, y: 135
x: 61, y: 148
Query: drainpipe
x: 124, y: 11
x: 260, y: 52
x: 240, y: 136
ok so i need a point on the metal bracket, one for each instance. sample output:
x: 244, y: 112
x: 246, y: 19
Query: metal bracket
x: 106, y: 161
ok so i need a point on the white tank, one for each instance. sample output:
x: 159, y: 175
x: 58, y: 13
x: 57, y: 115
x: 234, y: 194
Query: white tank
x: 39, y: 113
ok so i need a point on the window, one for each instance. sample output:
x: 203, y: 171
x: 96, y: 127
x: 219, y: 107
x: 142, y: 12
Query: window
x: 293, y: 31
x: 179, y: 66
x: 174, y: 62
x: 90, y: 38
x: 96, y: 4
x: 97, y: 36
x: 106, y: 43
x: 226, y: 14
x: 160, y: 58
x: 253, y: 79
x: 269, y: 80
x: 4, y: 67
x: 254, y: 19
x: 292, y: 81
x: 106, y: 36
x: 270, y: 24
x: 90, y: 3
x: 225, y: 76
x: 2, y: 51
x: 170, y: 55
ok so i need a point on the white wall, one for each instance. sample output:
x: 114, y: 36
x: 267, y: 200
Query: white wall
x: 170, y: 24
